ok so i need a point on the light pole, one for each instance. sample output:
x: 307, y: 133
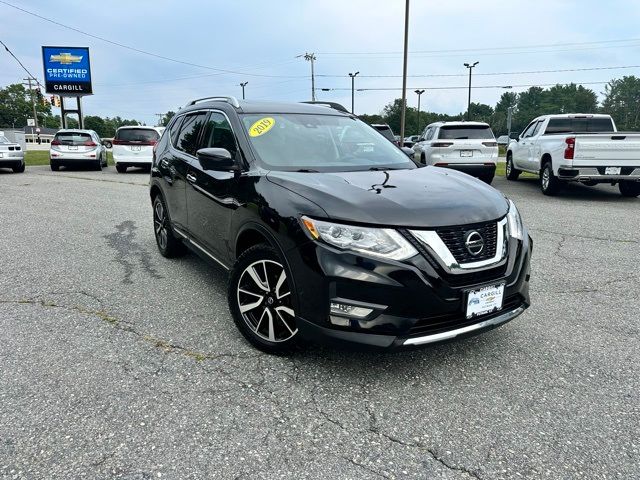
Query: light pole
x: 419, y: 93
x: 470, y: 67
x: 404, y: 69
x: 311, y: 57
x: 243, y: 84
x: 509, y: 115
x: 353, y: 78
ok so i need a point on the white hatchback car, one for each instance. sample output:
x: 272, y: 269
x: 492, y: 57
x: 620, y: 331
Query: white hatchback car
x: 133, y: 146
x: 469, y: 147
x: 72, y: 147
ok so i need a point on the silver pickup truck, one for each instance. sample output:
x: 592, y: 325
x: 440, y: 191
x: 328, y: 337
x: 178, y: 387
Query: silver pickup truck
x: 576, y: 148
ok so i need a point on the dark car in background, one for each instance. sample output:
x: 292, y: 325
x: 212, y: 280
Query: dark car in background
x: 332, y: 234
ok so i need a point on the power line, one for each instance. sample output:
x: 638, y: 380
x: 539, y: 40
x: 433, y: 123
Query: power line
x: 466, y: 86
x: 586, y: 69
x: 137, y: 50
x: 467, y: 50
x: 23, y: 67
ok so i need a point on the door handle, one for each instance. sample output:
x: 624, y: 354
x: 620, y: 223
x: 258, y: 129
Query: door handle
x: 191, y: 178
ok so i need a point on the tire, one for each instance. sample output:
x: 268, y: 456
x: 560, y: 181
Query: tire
x: 19, y: 169
x: 488, y: 178
x: 255, y: 282
x: 511, y: 172
x: 549, y: 183
x: 423, y: 159
x: 629, y: 188
x: 121, y: 168
x: 168, y: 244
x: 54, y: 166
x: 98, y: 165
x: 104, y: 161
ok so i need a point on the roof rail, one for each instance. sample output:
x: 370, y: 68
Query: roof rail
x: 334, y: 105
x: 229, y: 99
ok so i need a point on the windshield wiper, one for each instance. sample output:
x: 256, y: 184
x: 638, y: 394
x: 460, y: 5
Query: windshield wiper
x: 382, y: 169
x: 307, y: 170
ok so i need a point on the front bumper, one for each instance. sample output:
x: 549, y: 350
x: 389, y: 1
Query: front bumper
x: 415, y: 302
x: 597, y: 174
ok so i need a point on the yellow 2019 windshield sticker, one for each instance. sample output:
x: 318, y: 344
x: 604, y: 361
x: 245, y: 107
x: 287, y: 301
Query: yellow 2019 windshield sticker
x: 261, y: 127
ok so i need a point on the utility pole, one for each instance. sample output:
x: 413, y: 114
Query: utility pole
x: 404, y: 71
x: 311, y: 57
x: 353, y: 78
x: 243, y: 84
x: 419, y: 93
x: 159, y: 115
x: 470, y: 67
x: 33, y: 102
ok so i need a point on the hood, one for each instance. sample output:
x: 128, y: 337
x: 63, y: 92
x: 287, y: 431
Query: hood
x: 423, y: 197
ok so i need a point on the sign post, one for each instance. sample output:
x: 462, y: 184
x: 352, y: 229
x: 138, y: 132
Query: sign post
x: 67, y: 73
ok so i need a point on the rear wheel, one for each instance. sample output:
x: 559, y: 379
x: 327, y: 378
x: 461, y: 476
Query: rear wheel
x: 19, y: 169
x: 629, y: 188
x: 260, y: 291
x: 168, y: 244
x: 104, y: 160
x: 97, y: 165
x: 121, y: 168
x: 549, y: 183
x: 511, y: 172
x: 54, y: 166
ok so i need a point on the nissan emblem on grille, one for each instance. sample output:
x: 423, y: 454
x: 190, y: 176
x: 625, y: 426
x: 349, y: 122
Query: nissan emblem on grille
x: 474, y: 242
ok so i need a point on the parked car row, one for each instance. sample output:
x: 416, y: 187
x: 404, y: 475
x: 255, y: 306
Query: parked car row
x: 11, y: 155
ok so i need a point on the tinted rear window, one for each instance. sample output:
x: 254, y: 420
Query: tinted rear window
x: 386, y: 133
x: 579, y: 125
x: 73, y: 138
x: 137, y: 135
x: 473, y: 132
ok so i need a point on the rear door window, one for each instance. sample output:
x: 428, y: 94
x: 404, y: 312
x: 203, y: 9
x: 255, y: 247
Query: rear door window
x: 187, y: 140
x: 465, y: 132
x: 73, y: 138
x: 137, y: 135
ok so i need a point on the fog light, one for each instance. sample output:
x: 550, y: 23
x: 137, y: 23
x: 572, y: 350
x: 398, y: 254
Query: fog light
x: 352, y: 311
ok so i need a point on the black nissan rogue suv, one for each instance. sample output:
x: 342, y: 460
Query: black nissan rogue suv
x: 330, y: 232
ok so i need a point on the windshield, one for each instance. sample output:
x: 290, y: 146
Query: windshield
x: 3, y: 140
x: 466, y: 132
x: 579, y: 125
x: 325, y: 143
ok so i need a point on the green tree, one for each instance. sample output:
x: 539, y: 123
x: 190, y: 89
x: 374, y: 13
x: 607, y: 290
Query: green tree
x: 622, y: 102
x: 480, y: 112
x: 500, y: 112
x: 16, y: 107
x: 166, y: 118
x: 97, y: 124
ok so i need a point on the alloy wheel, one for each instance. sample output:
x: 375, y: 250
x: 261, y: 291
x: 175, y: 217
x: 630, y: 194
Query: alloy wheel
x: 160, y: 224
x: 508, y: 167
x: 545, y: 178
x: 264, y: 300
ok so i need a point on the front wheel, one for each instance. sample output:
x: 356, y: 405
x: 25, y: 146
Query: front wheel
x: 511, y: 172
x: 260, y: 291
x: 629, y: 188
x: 549, y: 183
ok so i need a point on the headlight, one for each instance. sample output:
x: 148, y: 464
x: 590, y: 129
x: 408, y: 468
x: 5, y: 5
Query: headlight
x: 515, y: 222
x: 379, y: 242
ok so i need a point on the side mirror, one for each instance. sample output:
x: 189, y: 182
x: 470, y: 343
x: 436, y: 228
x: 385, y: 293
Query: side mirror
x: 216, y: 159
x: 407, y: 151
x: 107, y: 143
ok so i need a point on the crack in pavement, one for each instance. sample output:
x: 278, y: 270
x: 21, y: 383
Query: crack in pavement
x: 74, y: 177
x: 588, y: 237
x: 125, y: 246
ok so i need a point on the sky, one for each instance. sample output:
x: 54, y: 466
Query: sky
x: 259, y: 42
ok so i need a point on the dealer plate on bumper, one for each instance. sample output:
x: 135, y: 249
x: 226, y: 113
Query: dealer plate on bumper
x: 484, y: 300
x: 612, y: 170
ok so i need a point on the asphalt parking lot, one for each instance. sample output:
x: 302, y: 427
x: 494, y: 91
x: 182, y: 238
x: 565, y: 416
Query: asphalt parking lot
x: 118, y: 363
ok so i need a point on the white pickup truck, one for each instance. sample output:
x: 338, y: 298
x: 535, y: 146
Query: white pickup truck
x: 576, y: 148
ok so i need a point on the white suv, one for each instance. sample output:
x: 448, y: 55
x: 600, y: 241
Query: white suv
x: 133, y: 146
x: 469, y: 147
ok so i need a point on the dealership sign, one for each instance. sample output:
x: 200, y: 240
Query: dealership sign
x: 67, y: 70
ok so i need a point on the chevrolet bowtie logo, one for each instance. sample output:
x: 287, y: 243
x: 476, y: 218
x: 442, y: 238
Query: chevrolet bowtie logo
x: 66, y: 58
